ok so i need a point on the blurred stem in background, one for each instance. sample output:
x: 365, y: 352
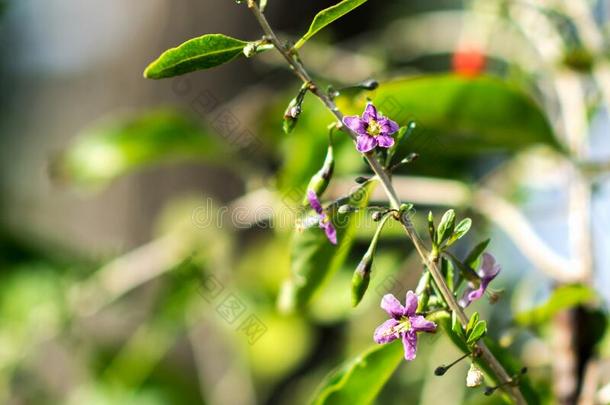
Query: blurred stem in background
x: 534, y: 19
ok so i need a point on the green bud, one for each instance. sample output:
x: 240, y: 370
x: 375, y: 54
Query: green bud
x: 362, y: 274
x: 361, y: 278
x: 293, y: 111
x: 319, y: 182
x: 431, y: 229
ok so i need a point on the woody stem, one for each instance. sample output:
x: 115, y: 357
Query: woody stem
x: 299, y: 70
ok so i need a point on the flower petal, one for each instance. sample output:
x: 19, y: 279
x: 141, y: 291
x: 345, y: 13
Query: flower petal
x: 330, y: 231
x: 388, y: 127
x: 476, y: 294
x: 356, y: 124
x: 489, y: 269
x: 465, y: 301
x: 392, y: 306
x: 411, y: 303
x: 314, y: 202
x: 370, y: 112
x: 409, y: 341
x: 421, y: 324
x: 385, y: 141
x: 365, y: 143
x: 385, y: 332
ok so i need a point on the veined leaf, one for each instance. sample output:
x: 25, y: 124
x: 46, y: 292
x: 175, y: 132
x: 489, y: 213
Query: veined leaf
x: 205, y: 52
x: 456, y: 115
x: 359, y: 381
x: 327, y: 16
x: 314, y: 258
x: 561, y: 299
x: 116, y: 147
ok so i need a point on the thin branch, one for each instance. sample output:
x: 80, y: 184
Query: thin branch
x: 423, y: 252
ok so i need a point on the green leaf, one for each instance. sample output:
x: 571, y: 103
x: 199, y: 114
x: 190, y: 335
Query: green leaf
x: 562, y: 298
x: 474, y: 319
x: 460, y: 230
x: 327, y: 16
x: 477, y: 332
x: 473, y: 257
x: 201, y: 53
x: 360, y: 380
x: 466, y: 116
x: 456, y: 326
x: 445, y: 228
x: 119, y: 146
x: 314, y: 259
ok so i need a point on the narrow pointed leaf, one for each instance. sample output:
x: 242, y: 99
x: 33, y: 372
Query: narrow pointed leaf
x: 327, y: 16
x: 201, y: 53
x: 477, y: 332
x: 359, y: 380
x: 460, y: 230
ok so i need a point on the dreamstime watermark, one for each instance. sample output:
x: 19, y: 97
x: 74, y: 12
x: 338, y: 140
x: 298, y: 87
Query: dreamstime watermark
x: 227, y: 303
x: 293, y: 213
x: 224, y: 122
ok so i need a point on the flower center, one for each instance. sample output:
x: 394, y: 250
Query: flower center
x: 403, y: 326
x: 373, y: 128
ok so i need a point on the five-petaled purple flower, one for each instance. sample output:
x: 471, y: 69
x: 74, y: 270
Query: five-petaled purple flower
x: 488, y: 271
x: 323, y: 218
x: 373, y: 129
x: 404, y: 323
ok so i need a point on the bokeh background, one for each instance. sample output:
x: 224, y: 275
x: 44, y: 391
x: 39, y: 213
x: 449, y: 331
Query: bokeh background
x: 132, y: 212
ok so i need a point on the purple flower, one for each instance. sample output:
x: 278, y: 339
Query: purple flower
x: 323, y: 218
x: 404, y: 323
x: 488, y: 271
x: 373, y: 129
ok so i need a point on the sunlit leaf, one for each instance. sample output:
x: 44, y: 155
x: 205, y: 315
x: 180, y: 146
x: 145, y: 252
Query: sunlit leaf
x: 359, y: 381
x: 114, y: 148
x: 327, y: 16
x: 464, y: 116
x: 477, y: 332
x: 446, y: 226
x: 460, y: 230
x: 473, y: 256
x: 561, y: 299
x: 314, y: 258
x: 201, y: 53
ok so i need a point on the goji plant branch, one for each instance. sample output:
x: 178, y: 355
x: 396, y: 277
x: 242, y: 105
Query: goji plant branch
x: 297, y: 67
